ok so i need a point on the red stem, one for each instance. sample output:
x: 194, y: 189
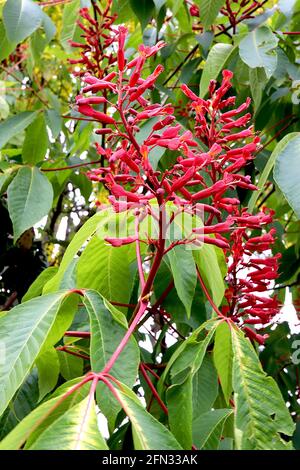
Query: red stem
x: 121, y: 304
x: 72, y: 353
x: 123, y: 343
x: 138, y: 254
x: 153, y: 389
x: 78, y: 165
x: 205, y: 290
x: 151, y: 371
x: 78, y: 334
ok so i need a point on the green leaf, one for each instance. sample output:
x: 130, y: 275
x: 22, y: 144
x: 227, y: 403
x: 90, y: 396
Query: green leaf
x: 77, y: 429
x: 184, y: 273
x: 25, y: 205
x: 287, y: 169
x: 208, y: 427
x: 280, y: 149
x: 189, y: 376
x: 49, y: 27
x: 54, y: 121
x: 209, y: 10
x: 205, y: 386
x: 70, y: 366
x: 209, y: 260
x: 257, y: 49
x: 258, y: 80
x: 24, y: 401
x: 223, y: 357
x: 36, y: 141
x: 42, y: 416
x: 159, y: 4
x: 216, y: 61
x: 7, y: 177
x: 48, y: 369
x: 36, y: 287
x: 22, y: 334
x: 108, y: 327
x: 79, y: 239
x: 180, y: 411
x: 106, y: 269
x: 70, y: 15
x: 6, y: 46
x: 143, y: 9
x: 148, y: 433
x: 21, y: 18
x: 15, y: 125
x: 189, y: 355
x: 63, y: 320
x: 123, y: 10
x: 260, y: 411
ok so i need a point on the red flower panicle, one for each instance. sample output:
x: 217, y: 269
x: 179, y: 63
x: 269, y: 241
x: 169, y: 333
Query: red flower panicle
x: 199, y: 178
x: 236, y: 11
x: 252, y: 270
x: 99, y: 36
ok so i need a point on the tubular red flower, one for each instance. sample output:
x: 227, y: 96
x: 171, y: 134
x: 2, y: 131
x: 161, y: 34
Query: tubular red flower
x: 97, y: 115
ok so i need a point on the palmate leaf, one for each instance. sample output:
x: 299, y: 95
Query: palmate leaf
x: 77, y: 429
x: 148, y: 433
x: 30, y: 428
x: 260, y: 411
x: 108, y: 327
x: 22, y: 334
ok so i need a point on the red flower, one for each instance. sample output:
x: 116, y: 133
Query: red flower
x: 251, y: 270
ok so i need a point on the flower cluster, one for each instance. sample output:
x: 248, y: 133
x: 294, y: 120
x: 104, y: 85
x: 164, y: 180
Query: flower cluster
x: 240, y: 10
x: 235, y: 10
x: 201, y: 176
x: 252, y: 270
x: 97, y: 53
